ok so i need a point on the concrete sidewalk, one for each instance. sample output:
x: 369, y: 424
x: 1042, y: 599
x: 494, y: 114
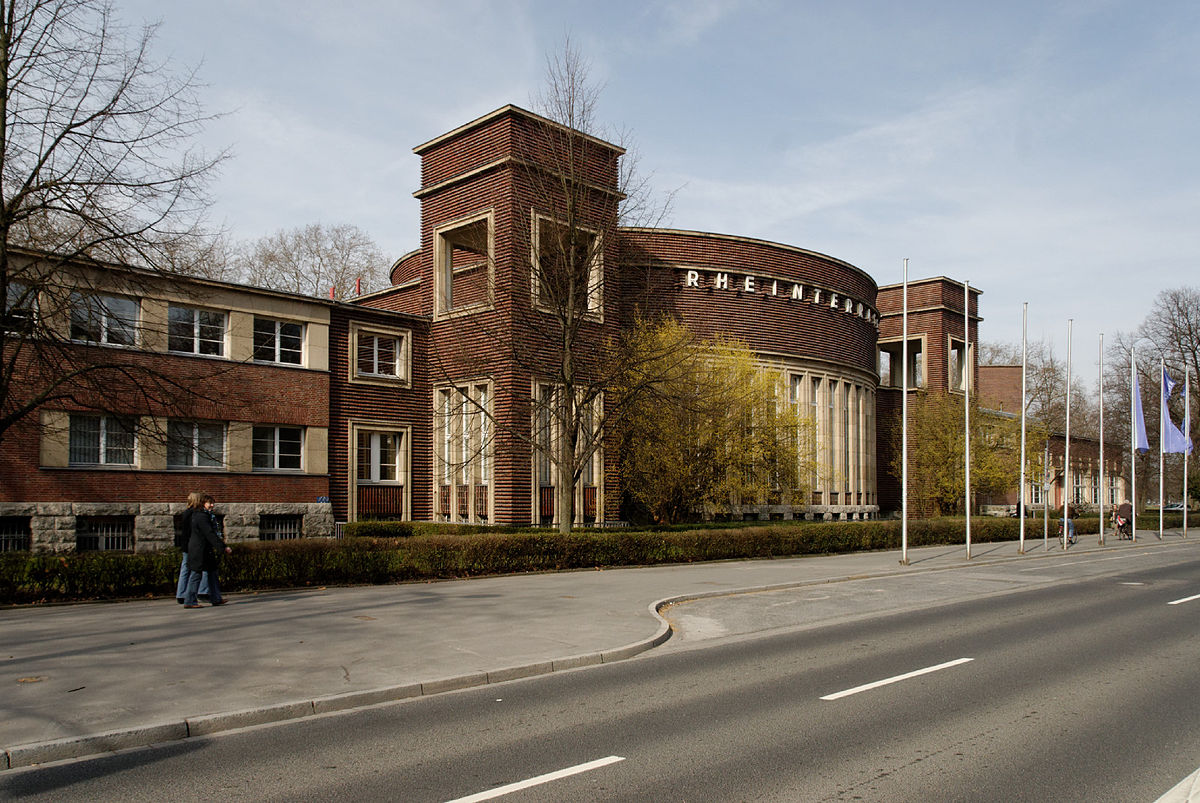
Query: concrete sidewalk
x: 89, y: 678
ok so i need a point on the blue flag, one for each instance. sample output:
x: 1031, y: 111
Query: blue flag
x: 1174, y: 441
x: 1142, y: 444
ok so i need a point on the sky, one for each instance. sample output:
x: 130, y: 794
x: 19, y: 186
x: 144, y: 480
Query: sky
x: 1048, y: 152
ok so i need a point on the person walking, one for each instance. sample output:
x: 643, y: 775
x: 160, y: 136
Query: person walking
x: 182, y: 536
x: 204, y: 554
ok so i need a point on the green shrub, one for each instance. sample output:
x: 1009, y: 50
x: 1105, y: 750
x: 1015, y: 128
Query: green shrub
x: 390, y: 552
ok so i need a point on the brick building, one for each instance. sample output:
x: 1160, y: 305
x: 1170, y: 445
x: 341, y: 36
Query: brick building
x: 421, y: 401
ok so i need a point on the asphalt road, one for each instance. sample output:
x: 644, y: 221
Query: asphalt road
x: 1085, y: 690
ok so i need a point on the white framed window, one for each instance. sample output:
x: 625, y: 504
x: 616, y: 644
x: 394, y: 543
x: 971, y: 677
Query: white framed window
x: 378, y: 355
x: 1113, y: 489
x: 277, y: 448
x: 195, y: 331
x: 381, y: 355
x: 193, y: 444
x: 278, y: 341
x: 1077, y: 488
x: 1037, y: 494
x: 111, y: 320
x: 101, y: 440
x: 380, y: 456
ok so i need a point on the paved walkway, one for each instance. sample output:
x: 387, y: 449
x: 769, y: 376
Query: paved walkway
x: 87, y: 678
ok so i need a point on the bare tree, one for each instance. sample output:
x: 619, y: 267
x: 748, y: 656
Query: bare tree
x: 312, y: 259
x: 97, y: 164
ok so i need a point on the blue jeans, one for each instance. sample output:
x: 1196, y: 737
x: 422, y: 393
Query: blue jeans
x: 193, y: 588
x: 181, y: 586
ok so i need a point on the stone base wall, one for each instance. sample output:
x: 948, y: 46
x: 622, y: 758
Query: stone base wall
x: 53, y: 524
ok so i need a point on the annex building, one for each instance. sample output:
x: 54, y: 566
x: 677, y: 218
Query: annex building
x: 421, y: 401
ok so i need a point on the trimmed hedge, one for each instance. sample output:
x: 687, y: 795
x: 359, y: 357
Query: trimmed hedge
x: 455, y: 551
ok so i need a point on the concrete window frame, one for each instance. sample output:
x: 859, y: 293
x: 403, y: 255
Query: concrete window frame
x: 473, y: 234
x: 595, y: 288
x: 359, y: 331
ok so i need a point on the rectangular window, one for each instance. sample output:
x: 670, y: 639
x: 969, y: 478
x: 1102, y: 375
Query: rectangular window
x: 278, y: 341
x: 16, y: 534
x: 378, y: 355
x: 20, y: 308
x: 104, y: 533
x: 1112, y: 489
x: 569, y: 267
x: 815, y: 404
x: 1036, y: 495
x: 831, y: 435
x: 195, y: 445
x: 960, y: 365
x: 379, y: 456
x: 1095, y: 490
x: 104, y: 319
x: 101, y: 440
x: 1077, y: 488
x: 891, y: 364
x: 196, y: 331
x: 280, y: 527
x: 847, y: 467
x: 277, y: 448
x: 543, y: 434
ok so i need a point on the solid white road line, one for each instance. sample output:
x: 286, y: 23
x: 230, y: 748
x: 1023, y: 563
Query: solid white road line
x: 541, y: 779
x: 1186, y: 790
x: 1185, y: 599
x: 896, y: 679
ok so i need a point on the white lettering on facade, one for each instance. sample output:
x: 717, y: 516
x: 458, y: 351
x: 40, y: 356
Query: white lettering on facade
x: 749, y: 284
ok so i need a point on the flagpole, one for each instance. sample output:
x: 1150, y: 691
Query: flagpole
x: 1067, y: 443
x: 966, y: 383
x: 1133, y: 441
x: 1101, y: 439
x: 1046, y: 498
x: 1021, y: 487
x: 1162, y: 433
x: 904, y: 427
x: 1187, y: 434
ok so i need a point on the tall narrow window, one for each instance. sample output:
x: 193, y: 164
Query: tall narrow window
x: 543, y: 434
x: 815, y: 406
x: 568, y: 267
x: 958, y: 365
x: 831, y: 434
x: 847, y: 466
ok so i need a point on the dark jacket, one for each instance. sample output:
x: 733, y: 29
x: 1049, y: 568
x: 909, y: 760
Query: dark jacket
x: 205, y: 546
x: 183, y: 535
